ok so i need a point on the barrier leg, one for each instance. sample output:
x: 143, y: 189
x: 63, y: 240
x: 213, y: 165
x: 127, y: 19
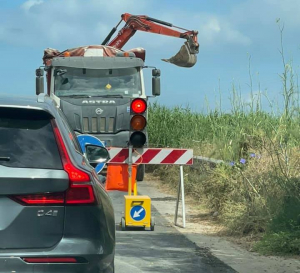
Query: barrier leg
x: 180, y: 190
x: 182, y: 196
x: 177, y: 203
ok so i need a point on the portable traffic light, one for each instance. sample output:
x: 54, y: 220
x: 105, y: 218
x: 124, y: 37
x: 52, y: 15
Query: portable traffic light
x: 138, y: 122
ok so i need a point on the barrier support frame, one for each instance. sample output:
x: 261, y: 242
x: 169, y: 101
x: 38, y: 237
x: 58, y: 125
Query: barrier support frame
x: 180, y: 190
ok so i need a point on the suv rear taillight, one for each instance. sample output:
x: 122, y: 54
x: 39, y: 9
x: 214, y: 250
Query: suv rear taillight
x: 80, y: 191
x: 49, y: 260
x: 40, y: 199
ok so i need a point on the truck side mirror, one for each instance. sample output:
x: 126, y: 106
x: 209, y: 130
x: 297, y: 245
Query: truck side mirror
x: 155, y: 82
x: 39, y: 81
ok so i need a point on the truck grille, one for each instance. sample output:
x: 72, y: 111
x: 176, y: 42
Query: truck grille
x: 98, y: 125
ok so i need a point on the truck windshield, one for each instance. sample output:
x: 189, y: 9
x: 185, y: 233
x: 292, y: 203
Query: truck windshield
x: 125, y: 82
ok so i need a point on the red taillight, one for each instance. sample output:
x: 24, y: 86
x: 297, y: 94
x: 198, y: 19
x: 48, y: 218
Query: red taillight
x: 75, y: 175
x: 138, y: 106
x: 50, y: 260
x: 77, y: 193
x: 80, y: 194
x: 41, y: 199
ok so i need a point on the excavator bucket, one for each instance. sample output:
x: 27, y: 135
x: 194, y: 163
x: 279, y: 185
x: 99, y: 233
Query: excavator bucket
x: 186, y: 57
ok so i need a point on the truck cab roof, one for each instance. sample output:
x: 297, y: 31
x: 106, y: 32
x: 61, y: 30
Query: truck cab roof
x: 98, y: 62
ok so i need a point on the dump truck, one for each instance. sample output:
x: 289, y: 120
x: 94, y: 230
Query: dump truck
x: 94, y: 85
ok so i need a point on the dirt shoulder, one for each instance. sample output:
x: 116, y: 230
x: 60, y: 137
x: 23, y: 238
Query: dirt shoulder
x: 203, y: 229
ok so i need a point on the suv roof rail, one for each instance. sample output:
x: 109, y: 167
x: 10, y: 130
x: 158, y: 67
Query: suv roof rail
x: 41, y: 97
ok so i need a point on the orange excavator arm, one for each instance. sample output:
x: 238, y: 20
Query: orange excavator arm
x: 186, y: 57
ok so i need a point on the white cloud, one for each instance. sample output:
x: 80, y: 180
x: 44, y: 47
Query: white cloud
x: 64, y: 23
x: 214, y: 30
x: 30, y: 3
x: 68, y: 23
x: 220, y: 31
x: 265, y: 12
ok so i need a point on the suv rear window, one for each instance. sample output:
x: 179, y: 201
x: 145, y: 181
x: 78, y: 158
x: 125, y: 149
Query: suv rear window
x: 27, y: 140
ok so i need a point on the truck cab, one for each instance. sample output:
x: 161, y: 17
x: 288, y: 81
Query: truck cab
x: 95, y: 93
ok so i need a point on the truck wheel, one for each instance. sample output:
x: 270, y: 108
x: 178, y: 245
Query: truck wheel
x: 140, y: 173
x: 152, y: 224
x: 123, y: 226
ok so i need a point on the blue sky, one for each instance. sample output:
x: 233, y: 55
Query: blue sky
x: 229, y: 32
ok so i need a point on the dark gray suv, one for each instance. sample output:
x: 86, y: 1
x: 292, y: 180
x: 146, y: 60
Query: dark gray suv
x: 55, y: 215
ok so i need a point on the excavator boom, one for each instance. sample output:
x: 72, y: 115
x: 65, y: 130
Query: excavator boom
x: 186, y: 57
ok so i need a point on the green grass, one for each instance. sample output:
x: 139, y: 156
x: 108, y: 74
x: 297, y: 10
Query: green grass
x: 284, y: 242
x: 231, y: 135
x: 283, y: 234
x: 261, y: 196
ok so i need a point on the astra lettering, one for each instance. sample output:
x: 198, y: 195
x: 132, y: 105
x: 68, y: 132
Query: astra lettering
x: 98, y: 101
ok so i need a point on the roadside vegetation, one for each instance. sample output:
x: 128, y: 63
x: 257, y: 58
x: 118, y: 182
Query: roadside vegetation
x: 257, y: 190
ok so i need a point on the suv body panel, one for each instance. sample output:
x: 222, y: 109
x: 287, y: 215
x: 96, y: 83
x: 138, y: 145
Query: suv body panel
x: 82, y: 231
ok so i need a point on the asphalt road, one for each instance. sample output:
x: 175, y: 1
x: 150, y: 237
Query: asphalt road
x: 163, y: 250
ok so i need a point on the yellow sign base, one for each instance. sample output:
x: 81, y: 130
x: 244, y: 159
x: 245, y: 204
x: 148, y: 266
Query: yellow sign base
x: 137, y: 212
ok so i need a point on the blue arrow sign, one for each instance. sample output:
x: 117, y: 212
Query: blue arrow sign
x: 137, y: 213
x: 88, y: 139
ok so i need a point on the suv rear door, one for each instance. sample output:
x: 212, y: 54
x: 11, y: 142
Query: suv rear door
x: 32, y: 180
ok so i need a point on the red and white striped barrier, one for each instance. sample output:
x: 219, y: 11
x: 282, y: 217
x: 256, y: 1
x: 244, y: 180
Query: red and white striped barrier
x: 152, y: 156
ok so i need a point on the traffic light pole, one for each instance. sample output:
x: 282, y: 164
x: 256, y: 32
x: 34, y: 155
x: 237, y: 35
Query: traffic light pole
x: 129, y: 169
